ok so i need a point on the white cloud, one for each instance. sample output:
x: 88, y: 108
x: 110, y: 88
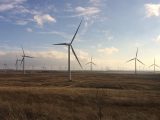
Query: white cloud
x: 82, y: 54
x: 157, y: 40
x: 62, y: 34
x: 54, y: 54
x: 89, y: 14
x: 107, y: 35
x: 29, y: 30
x: 48, y: 54
x: 138, y: 44
x: 6, y: 5
x: 87, y: 11
x: 41, y: 19
x: 21, y: 22
x: 95, y: 2
x: 69, y: 7
x: 109, y: 51
x: 152, y: 9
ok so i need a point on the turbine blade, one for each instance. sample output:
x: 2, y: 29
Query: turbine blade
x: 76, y: 56
x: 76, y: 32
x: 22, y: 61
x: 151, y: 65
x: 61, y: 44
x: 93, y: 63
x: 157, y: 66
x: 130, y: 60
x: 88, y: 63
x: 28, y: 56
x: 137, y: 53
x: 23, y: 51
x: 140, y: 62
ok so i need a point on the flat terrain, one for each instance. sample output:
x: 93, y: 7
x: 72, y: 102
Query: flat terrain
x: 90, y: 96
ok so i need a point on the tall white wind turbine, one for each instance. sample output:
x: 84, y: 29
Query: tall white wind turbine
x: 71, y: 47
x: 154, y: 65
x: 23, y: 60
x: 91, y: 64
x: 136, y: 59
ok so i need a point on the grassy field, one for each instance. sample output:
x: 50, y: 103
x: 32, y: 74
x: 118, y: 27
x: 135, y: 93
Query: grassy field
x: 91, y: 96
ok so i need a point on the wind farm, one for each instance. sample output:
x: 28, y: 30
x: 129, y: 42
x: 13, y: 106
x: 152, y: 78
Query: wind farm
x: 67, y: 60
x: 84, y: 94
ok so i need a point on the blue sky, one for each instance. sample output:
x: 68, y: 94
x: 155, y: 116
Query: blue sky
x: 110, y: 32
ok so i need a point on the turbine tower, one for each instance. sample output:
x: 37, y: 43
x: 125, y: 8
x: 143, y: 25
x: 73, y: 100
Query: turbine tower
x: 23, y: 60
x: 70, y: 47
x: 154, y: 65
x: 136, y: 59
x: 5, y: 67
x: 17, y: 60
x: 91, y: 63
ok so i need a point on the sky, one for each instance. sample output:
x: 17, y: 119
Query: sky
x: 110, y: 32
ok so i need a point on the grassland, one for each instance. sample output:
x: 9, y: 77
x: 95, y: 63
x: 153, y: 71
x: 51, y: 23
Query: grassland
x: 91, y: 96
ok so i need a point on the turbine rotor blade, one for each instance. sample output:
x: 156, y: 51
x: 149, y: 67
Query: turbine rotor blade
x: 130, y: 60
x: 61, y: 44
x: 23, y: 51
x: 93, y: 63
x: 76, y: 56
x: 88, y: 63
x: 137, y: 53
x: 157, y: 66
x: 28, y: 56
x: 22, y: 60
x: 76, y: 33
x: 140, y: 62
x: 151, y: 65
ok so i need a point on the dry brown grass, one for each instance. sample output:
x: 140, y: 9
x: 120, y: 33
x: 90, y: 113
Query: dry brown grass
x: 49, y: 96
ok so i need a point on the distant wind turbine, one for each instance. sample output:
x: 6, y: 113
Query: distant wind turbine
x: 17, y: 60
x: 154, y: 65
x: 91, y: 63
x: 5, y: 67
x: 136, y: 59
x: 23, y: 60
x: 71, y: 47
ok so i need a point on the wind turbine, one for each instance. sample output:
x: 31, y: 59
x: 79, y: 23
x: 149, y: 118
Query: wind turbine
x: 154, y: 65
x: 23, y: 60
x: 17, y: 60
x: 5, y: 67
x: 91, y: 63
x: 70, y: 47
x: 136, y: 59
